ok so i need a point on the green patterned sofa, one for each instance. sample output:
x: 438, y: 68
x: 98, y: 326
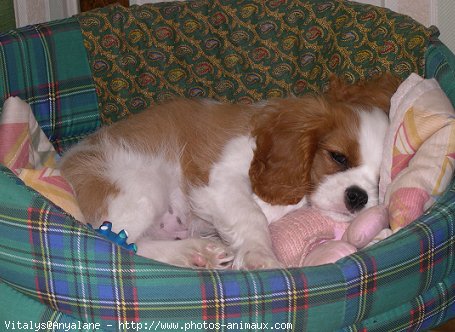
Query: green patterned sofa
x: 96, y: 68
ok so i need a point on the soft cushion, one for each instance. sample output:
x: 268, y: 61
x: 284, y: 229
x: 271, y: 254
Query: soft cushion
x: 419, y: 150
x: 25, y: 149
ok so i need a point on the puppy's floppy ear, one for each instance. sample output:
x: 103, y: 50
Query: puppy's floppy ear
x: 374, y: 92
x: 286, y: 141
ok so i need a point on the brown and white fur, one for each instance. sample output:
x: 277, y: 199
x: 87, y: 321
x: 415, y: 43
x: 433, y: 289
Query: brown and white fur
x: 228, y: 170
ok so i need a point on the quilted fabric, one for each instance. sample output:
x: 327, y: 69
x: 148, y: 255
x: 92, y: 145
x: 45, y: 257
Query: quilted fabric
x: 241, y: 51
x: 46, y: 65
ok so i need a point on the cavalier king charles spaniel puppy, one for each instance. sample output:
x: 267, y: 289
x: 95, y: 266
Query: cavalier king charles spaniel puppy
x: 225, y: 171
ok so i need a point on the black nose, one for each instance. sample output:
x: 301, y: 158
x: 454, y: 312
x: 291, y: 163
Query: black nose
x: 355, y: 198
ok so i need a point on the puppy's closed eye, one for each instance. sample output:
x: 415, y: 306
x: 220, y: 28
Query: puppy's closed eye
x: 340, y: 159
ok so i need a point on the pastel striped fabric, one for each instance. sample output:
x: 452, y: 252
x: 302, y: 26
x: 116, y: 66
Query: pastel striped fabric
x: 46, y: 66
x: 419, y: 150
x: 22, y: 142
x: 28, y: 153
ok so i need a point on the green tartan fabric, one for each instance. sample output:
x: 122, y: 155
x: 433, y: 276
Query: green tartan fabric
x: 429, y: 309
x: 47, y: 66
x: 22, y: 313
x: 439, y: 64
x: 242, y: 51
x: 54, y: 260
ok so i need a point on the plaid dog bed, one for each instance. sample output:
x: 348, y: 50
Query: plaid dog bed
x: 46, y: 66
x: 56, y: 272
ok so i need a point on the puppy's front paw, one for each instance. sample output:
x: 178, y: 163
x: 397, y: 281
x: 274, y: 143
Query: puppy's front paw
x: 209, y: 254
x: 192, y: 252
x: 255, y: 260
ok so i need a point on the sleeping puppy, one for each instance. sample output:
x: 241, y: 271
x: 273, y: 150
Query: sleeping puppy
x: 227, y: 170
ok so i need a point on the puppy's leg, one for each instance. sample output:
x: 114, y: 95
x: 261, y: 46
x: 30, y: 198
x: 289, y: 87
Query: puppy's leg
x: 145, y: 184
x: 134, y: 192
x: 240, y: 223
x: 227, y: 202
x: 194, y: 253
x: 115, y: 183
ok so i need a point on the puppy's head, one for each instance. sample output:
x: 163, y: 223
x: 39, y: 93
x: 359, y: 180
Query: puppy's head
x: 328, y: 148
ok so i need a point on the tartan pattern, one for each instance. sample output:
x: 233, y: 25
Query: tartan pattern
x: 35, y: 314
x: 46, y: 65
x: 427, y: 310
x: 48, y: 256
x: 440, y: 64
